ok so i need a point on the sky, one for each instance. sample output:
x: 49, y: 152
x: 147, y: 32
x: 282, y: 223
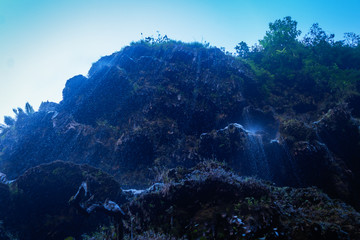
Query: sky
x: 43, y: 43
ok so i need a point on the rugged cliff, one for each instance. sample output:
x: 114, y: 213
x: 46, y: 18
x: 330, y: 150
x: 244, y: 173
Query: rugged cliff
x: 140, y: 108
x: 153, y: 107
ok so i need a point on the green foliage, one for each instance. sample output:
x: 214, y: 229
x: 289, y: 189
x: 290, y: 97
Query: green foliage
x: 317, y: 36
x: 69, y: 238
x: 282, y: 34
x: 351, y: 39
x: 155, y: 40
x: 19, y: 114
x: 242, y: 49
x: 14, y: 189
x: 29, y: 109
x: 104, y: 232
x: 9, y: 121
x: 265, y: 78
x: 317, y: 66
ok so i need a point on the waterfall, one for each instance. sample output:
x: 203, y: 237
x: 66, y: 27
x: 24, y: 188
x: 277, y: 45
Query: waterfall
x: 266, y: 154
x: 255, y: 153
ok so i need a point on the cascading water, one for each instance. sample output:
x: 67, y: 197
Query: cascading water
x: 258, y: 162
x: 256, y: 155
x: 266, y: 155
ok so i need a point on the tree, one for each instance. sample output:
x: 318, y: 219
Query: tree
x: 242, y: 49
x: 322, y: 46
x: 152, y: 40
x: 9, y: 121
x: 29, y: 109
x: 351, y: 39
x: 318, y: 36
x: 281, y: 35
x: 280, y: 51
x: 18, y: 111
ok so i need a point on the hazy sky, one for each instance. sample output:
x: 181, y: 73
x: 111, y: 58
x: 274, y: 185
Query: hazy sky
x: 45, y: 42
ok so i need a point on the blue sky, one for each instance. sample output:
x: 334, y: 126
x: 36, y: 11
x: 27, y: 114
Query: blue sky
x: 43, y: 43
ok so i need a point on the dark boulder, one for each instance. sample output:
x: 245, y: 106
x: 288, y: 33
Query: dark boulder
x: 294, y: 130
x: 354, y: 104
x: 41, y: 197
x: 341, y: 134
x: 226, y: 144
x: 212, y: 202
x: 326, y: 152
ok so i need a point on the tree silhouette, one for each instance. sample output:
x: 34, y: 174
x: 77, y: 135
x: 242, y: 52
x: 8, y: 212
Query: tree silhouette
x: 29, y: 109
x: 281, y: 34
x: 351, y: 39
x: 242, y: 49
x: 317, y: 36
x: 9, y: 121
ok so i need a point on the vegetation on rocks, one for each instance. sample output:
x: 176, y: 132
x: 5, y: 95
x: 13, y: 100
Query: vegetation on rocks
x: 193, y: 143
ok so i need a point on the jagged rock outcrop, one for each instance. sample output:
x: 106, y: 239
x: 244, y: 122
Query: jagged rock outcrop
x: 326, y: 152
x: 211, y: 202
x: 148, y: 108
x: 141, y: 107
x: 208, y: 200
x: 37, y: 205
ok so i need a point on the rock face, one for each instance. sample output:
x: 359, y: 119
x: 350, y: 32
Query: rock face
x: 326, y: 153
x: 152, y: 107
x: 208, y: 201
x: 141, y: 107
x: 214, y: 203
x: 41, y: 197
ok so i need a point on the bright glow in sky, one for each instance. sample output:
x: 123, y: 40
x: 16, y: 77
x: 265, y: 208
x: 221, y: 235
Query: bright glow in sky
x: 43, y: 43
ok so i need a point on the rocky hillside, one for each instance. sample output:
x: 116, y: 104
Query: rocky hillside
x: 142, y: 107
x: 207, y: 201
x: 149, y: 113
